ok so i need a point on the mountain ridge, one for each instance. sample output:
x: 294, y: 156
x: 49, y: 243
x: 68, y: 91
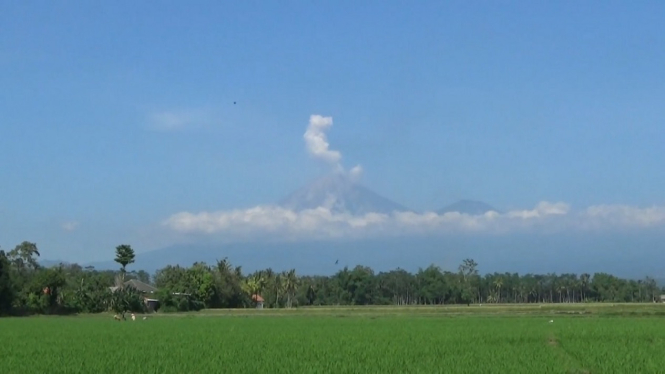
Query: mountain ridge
x: 523, y: 254
x: 340, y: 194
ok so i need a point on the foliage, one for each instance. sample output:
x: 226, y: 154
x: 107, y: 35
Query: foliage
x: 6, y: 286
x: 27, y: 288
x: 124, y: 255
x: 355, y: 343
x: 24, y: 256
x: 125, y: 298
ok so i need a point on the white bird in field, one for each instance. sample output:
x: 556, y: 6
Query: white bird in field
x: 133, y: 317
x: 144, y: 318
x: 551, y: 321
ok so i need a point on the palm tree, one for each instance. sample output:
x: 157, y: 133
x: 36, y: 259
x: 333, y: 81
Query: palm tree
x: 224, y: 266
x: 260, y: 282
x: 278, y: 288
x: 268, y: 274
x: 270, y: 279
x: 290, y: 286
x: 251, y: 287
x: 498, y: 282
x: 584, y: 283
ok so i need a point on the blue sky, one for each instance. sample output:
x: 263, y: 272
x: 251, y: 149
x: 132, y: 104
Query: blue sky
x: 116, y: 116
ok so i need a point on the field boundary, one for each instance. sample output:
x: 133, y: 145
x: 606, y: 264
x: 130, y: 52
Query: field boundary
x: 505, y: 310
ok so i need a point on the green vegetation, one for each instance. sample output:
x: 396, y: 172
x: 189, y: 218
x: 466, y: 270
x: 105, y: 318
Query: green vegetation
x: 353, y: 321
x: 28, y: 288
x: 124, y: 255
x: 450, y: 339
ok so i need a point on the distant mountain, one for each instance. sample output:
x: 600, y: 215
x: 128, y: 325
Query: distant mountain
x: 52, y: 263
x: 307, y: 257
x: 341, y: 195
x: 469, y: 207
x: 621, y: 254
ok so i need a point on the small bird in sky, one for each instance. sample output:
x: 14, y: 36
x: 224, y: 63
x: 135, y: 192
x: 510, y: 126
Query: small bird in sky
x: 336, y: 262
x: 234, y: 103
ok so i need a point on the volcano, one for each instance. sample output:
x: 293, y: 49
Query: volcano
x: 340, y: 194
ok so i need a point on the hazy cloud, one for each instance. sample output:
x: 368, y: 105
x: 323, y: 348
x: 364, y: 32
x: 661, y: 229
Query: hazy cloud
x: 356, y: 172
x: 542, y: 209
x: 322, y: 223
x: 623, y: 216
x: 180, y: 119
x: 70, y: 225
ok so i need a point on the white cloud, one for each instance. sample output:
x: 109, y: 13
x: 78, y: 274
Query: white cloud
x: 321, y: 223
x: 180, y: 119
x: 70, y: 225
x: 541, y: 210
x: 623, y: 216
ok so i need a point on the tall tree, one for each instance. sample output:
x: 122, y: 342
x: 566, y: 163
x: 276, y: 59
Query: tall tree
x: 290, y: 286
x: 469, y: 279
x: 498, y: 283
x: 24, y: 256
x: 6, y: 286
x: 124, y: 255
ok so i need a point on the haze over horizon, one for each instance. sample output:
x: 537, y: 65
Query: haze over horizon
x: 460, y: 126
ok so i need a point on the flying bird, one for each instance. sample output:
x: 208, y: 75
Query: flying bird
x: 234, y: 103
x: 336, y: 262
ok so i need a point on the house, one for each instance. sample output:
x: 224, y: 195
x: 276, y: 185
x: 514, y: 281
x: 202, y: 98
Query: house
x: 259, y: 301
x: 147, y: 291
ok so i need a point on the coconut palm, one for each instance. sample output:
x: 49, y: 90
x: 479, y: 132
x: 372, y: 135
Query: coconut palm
x: 498, y: 283
x: 278, y: 288
x: 224, y: 266
x: 251, y: 287
x: 290, y: 286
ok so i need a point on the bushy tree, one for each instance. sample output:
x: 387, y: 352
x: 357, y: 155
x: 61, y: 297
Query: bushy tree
x: 126, y: 299
x: 124, y: 255
x: 6, y: 286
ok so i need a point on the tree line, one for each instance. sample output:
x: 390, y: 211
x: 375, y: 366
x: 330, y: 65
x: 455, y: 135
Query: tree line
x: 26, y: 287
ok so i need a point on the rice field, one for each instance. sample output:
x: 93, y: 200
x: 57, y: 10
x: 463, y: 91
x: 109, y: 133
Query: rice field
x: 341, y: 342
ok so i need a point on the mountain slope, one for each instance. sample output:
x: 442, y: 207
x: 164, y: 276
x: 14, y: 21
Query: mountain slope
x: 515, y: 253
x: 468, y: 207
x: 341, y: 195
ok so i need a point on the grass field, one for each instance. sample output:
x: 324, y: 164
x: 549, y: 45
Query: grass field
x: 510, y: 339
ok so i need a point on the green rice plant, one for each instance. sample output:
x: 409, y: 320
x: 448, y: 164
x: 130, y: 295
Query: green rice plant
x: 329, y: 344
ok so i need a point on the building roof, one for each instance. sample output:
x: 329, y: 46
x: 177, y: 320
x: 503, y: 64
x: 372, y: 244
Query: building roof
x: 140, y: 286
x: 257, y: 298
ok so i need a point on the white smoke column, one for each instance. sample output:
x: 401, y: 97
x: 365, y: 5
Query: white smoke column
x: 316, y: 141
